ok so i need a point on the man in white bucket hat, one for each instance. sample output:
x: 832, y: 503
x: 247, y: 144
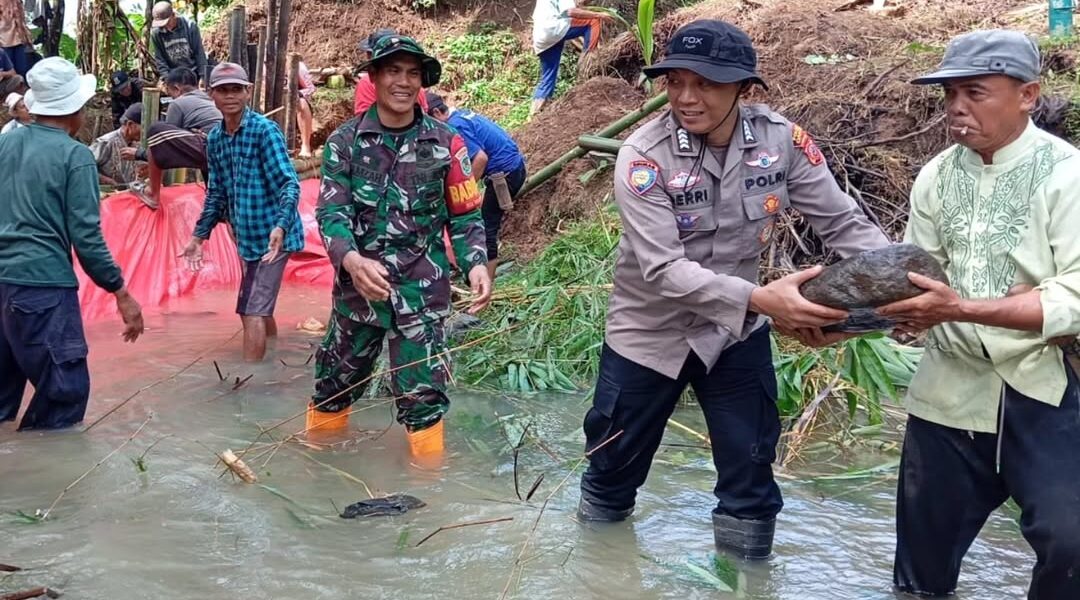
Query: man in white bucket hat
x: 51, y: 209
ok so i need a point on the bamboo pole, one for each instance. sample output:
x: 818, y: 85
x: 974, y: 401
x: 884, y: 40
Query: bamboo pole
x: 238, y: 35
x: 259, y: 97
x: 269, y: 95
x: 601, y: 144
x: 291, y: 100
x: 577, y: 152
x: 280, y: 73
x: 151, y: 101
x: 148, y: 18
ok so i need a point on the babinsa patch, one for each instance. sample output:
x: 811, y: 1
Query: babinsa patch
x: 642, y: 176
x: 804, y: 142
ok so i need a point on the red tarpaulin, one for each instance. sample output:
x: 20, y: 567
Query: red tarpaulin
x: 147, y: 245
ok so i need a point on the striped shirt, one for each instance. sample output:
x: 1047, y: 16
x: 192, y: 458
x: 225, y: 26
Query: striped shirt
x: 253, y: 185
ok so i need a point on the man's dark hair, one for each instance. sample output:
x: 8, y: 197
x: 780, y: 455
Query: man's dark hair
x: 181, y: 77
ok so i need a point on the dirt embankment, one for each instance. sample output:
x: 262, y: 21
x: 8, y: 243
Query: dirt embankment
x: 587, y: 108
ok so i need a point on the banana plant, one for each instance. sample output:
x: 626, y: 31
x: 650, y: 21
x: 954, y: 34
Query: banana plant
x: 642, y: 31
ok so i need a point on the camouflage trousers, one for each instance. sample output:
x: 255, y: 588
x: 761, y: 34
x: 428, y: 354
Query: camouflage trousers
x: 418, y: 376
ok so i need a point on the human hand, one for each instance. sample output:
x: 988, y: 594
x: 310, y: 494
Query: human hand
x: 782, y: 301
x: 127, y: 153
x: 193, y: 254
x: 368, y: 276
x: 131, y: 313
x: 938, y: 304
x: 480, y: 280
x: 277, y: 238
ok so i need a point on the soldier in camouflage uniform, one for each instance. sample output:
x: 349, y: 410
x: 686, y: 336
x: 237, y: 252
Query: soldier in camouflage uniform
x: 393, y: 179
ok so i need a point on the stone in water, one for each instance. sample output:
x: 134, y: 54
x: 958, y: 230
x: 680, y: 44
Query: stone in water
x: 868, y: 280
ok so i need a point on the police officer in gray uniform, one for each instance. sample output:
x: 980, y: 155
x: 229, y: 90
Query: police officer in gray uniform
x: 699, y: 190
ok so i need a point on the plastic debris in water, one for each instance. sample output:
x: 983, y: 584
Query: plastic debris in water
x: 394, y: 504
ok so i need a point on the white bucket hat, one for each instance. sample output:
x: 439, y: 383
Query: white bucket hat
x: 57, y: 88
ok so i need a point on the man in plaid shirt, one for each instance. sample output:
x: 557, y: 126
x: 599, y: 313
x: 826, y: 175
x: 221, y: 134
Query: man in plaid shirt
x: 252, y: 183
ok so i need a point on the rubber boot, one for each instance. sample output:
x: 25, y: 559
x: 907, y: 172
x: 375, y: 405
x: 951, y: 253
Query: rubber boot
x: 590, y: 512
x: 751, y: 539
x: 427, y: 441
x: 319, y: 422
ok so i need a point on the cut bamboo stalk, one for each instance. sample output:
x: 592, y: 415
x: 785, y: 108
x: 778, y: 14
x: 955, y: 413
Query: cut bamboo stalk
x: 151, y: 101
x: 238, y: 467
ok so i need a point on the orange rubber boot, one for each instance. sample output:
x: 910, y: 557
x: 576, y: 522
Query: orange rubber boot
x: 319, y: 422
x: 426, y: 442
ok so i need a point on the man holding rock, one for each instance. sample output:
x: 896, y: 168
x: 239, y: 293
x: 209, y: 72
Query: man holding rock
x: 994, y: 408
x: 393, y: 179
x: 699, y: 190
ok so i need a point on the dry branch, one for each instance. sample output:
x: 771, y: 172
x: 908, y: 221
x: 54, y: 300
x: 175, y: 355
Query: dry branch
x: 460, y: 525
x: 45, y: 514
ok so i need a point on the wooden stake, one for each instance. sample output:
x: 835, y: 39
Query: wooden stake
x: 259, y: 102
x: 292, y: 99
x: 280, y: 73
x: 238, y: 35
x: 269, y: 94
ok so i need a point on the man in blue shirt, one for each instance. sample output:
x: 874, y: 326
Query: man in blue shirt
x: 495, y: 159
x: 253, y: 182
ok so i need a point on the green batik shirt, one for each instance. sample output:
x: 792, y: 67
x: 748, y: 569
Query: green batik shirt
x: 992, y: 227
x: 389, y: 194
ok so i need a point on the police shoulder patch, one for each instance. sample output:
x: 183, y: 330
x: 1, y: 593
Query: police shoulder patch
x: 642, y: 176
x: 804, y: 142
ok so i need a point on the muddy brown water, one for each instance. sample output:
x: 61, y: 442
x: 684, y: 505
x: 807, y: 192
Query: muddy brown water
x: 178, y: 531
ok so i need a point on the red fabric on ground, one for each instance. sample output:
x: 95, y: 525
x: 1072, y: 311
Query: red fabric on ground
x: 147, y: 245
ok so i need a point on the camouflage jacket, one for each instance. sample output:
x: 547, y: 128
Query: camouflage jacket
x: 388, y: 195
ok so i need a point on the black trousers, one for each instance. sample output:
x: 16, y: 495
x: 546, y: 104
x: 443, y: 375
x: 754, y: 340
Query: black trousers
x: 42, y: 341
x: 950, y: 483
x: 493, y: 214
x: 738, y: 397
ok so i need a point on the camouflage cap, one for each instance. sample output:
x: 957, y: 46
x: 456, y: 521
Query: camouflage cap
x: 431, y: 69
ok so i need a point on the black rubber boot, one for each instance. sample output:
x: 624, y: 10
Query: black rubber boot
x: 748, y: 538
x: 590, y: 512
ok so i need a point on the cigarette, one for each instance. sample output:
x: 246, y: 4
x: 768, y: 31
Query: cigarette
x: 962, y: 131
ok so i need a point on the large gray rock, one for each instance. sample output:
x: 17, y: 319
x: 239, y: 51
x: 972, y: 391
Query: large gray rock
x: 865, y: 281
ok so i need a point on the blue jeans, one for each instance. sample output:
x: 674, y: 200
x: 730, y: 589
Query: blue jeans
x: 42, y: 341
x: 19, y: 58
x: 549, y: 62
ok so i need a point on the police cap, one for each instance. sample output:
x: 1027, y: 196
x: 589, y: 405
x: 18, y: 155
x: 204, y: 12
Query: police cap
x: 718, y: 51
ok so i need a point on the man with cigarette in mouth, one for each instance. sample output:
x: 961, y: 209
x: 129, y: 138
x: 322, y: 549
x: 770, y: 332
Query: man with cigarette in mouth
x: 994, y: 408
